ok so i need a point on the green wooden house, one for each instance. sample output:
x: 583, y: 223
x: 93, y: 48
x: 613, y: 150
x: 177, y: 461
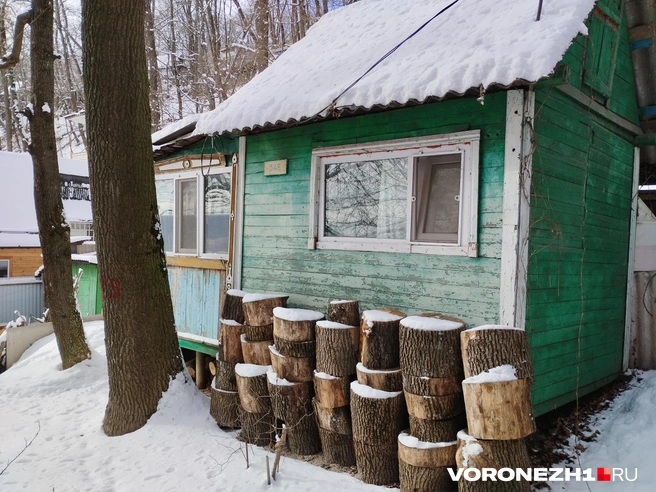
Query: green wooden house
x: 484, y: 167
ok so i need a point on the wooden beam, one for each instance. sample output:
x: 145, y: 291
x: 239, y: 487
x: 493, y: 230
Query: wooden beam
x: 645, y: 140
x: 192, y: 262
x: 198, y: 347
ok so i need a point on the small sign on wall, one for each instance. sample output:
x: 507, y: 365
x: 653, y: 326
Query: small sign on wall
x: 273, y: 168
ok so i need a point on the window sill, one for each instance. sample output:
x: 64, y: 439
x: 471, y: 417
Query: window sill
x: 397, y: 247
x: 196, y: 262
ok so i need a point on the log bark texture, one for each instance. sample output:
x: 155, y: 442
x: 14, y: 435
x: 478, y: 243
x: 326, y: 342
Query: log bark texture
x: 426, y: 456
x: 232, y: 308
x: 499, y: 410
x: 337, y: 349
x: 492, y: 454
x: 484, y: 349
x: 258, y: 333
x: 379, y: 343
x: 434, y: 407
x: 346, y: 313
x: 230, y: 341
x: 432, y: 353
x: 254, y: 393
x: 224, y: 407
x: 432, y: 386
x: 295, y: 349
x: 377, y: 464
x: 260, y: 313
x: 257, y: 428
x: 294, y: 331
x: 437, y: 430
x: 384, y: 379
x: 256, y: 352
x: 295, y: 369
x: 337, y: 420
x: 224, y: 378
x: 332, y: 392
x: 337, y: 448
x: 377, y: 420
x: 421, y: 479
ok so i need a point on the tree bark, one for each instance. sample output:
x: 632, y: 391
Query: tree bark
x: 423, y: 479
x: 337, y: 348
x: 379, y: 341
x: 256, y: 352
x: 224, y: 378
x: 294, y: 331
x: 432, y: 386
x: 153, y: 65
x: 499, y: 410
x: 260, y: 313
x: 139, y: 322
x: 344, y: 312
x: 230, y: 340
x: 337, y: 448
x: 258, y: 333
x: 223, y: 407
x: 295, y: 349
x: 418, y: 349
x: 434, y: 407
x: 54, y: 231
x: 437, y: 430
x: 253, y: 391
x: 261, y: 10
x: 337, y: 420
x: 377, y: 464
x: 257, y: 428
x: 474, y: 453
x: 483, y: 349
x: 386, y: 380
x: 232, y: 306
x: 295, y: 369
x: 425, y: 456
x: 332, y: 391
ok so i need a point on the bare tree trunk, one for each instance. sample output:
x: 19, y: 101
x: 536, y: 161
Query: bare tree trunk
x: 54, y: 232
x: 262, y: 33
x: 153, y: 72
x: 142, y: 345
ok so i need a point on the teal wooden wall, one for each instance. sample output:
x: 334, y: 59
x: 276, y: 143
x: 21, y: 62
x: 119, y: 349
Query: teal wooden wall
x: 197, y: 295
x: 579, y: 234
x: 276, y: 220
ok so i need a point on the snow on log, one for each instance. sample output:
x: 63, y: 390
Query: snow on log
x: 434, y: 407
x: 232, y: 306
x: 256, y: 352
x: 344, y: 312
x: 337, y: 347
x: 252, y: 387
x: 230, y: 332
x: 258, y: 308
x: 382, y: 379
x: 332, y: 391
x: 491, y: 346
x: 295, y: 325
x: 295, y: 369
x: 223, y: 407
x: 379, y: 338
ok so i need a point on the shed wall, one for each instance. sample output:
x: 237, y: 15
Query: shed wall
x: 23, y: 262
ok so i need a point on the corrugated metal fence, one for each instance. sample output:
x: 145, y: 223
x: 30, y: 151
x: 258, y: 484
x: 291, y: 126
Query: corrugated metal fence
x: 643, y: 322
x: 22, y: 294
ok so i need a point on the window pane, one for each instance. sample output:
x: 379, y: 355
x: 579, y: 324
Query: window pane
x: 165, y: 205
x: 188, y: 216
x: 437, y: 198
x: 4, y: 268
x: 217, y: 213
x: 367, y: 199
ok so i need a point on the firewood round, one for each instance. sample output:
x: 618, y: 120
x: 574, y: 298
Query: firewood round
x: 383, y: 379
x: 223, y: 407
x: 257, y: 428
x: 295, y: 369
x: 232, y: 306
x: 414, y: 478
x: 258, y: 333
x: 230, y: 341
x: 344, y: 312
x: 256, y: 352
x: 378, y: 417
x: 434, y: 407
x: 337, y: 348
x: 437, y: 430
x: 332, y: 391
x: 379, y: 339
x: 489, y: 346
x: 252, y: 387
x: 424, y: 454
x: 377, y: 464
x: 337, y: 420
x: 260, y: 312
x: 225, y: 376
x: 295, y: 349
x: 432, y: 386
x: 295, y: 330
x: 337, y: 448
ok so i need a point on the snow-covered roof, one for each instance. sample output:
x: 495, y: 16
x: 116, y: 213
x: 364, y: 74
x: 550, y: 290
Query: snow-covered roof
x: 473, y: 43
x: 18, y: 227
x: 175, y: 130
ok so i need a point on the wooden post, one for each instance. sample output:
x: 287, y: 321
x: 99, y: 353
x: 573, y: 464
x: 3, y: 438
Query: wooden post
x: 201, y: 371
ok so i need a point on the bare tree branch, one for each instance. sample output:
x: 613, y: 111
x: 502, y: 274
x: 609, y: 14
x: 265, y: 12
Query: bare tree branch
x: 13, y: 58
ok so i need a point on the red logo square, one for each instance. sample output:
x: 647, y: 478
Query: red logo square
x: 603, y: 474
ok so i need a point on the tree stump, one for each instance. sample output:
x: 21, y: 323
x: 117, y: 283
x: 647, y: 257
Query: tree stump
x: 295, y: 325
x: 295, y: 349
x: 256, y: 352
x: 232, y: 306
x: 489, y: 346
x: 224, y: 379
x: 432, y: 386
x: 344, y: 312
x: 382, y: 379
x: 294, y: 369
x: 421, y: 338
x: 252, y: 387
x: 224, y: 407
x: 437, y: 430
x: 423, y: 465
x: 230, y: 340
x: 337, y: 347
x: 479, y: 454
x: 257, y: 428
x: 332, y: 391
x: 434, y: 407
x: 498, y: 409
x: 377, y: 418
x: 379, y: 338
x: 258, y: 308
x: 258, y: 333
x: 292, y: 403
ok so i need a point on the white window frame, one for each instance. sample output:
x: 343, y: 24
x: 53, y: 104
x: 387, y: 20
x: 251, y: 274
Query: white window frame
x: 466, y: 143
x: 200, y: 207
x: 8, y: 268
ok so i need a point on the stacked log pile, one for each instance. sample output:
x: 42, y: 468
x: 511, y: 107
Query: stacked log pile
x: 224, y: 397
x: 378, y: 414
x: 255, y: 413
x: 498, y: 377
x: 337, y: 356
x: 258, y: 326
x: 293, y: 360
x: 430, y: 358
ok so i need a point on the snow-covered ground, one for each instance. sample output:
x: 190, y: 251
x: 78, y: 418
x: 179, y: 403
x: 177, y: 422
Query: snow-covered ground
x: 181, y: 447
x: 627, y: 440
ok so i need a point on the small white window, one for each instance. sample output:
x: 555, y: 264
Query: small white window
x: 4, y: 268
x: 413, y: 196
x: 194, y: 209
